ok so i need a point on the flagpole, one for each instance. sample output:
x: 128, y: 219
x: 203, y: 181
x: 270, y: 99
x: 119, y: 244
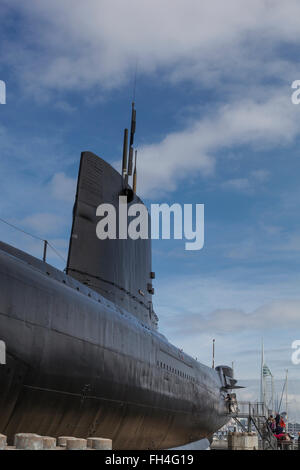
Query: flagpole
x: 286, y: 398
x: 273, y: 408
x: 262, y: 395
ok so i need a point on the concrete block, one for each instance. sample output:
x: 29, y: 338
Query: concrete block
x: 76, y: 444
x: 28, y: 441
x: 3, y: 442
x: 99, y: 443
x: 62, y: 440
x: 242, y: 441
x: 49, y: 443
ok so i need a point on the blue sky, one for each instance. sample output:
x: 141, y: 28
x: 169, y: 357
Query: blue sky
x: 215, y: 125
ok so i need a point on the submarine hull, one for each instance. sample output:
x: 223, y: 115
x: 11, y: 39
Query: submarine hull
x: 77, y: 364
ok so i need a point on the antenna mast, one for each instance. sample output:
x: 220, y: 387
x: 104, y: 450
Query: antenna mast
x: 127, y: 166
x: 132, y: 132
x: 134, y: 174
x: 124, y: 162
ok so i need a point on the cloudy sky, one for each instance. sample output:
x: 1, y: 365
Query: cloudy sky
x: 216, y: 125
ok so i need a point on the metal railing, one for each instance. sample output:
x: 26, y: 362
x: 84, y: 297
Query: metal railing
x: 46, y: 243
x: 258, y: 409
x: 257, y: 415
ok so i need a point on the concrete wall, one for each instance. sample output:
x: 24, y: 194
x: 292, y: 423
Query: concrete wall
x: 242, y: 441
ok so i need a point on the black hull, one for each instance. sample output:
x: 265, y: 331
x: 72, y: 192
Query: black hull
x: 78, y: 365
x: 130, y: 426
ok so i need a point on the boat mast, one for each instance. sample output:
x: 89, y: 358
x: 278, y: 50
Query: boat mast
x: 262, y: 388
x: 286, y: 398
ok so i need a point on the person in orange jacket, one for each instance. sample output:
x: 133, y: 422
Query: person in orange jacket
x: 282, y: 423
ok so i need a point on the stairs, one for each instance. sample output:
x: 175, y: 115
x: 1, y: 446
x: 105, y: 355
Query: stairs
x: 257, y: 418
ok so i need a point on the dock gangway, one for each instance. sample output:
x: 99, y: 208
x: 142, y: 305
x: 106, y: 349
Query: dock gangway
x: 256, y: 415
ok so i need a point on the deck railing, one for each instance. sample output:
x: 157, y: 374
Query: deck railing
x: 258, y: 409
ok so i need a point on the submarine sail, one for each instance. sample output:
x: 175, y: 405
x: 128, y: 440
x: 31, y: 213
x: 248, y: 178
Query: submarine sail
x: 119, y: 269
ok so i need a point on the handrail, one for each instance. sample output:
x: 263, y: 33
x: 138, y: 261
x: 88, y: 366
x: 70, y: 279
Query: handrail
x: 257, y: 412
x: 45, y: 242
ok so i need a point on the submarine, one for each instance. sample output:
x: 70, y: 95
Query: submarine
x: 84, y: 355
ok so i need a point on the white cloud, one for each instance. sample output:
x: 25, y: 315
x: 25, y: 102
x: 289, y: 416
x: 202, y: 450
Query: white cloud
x: 247, y: 185
x: 63, y: 187
x: 277, y: 315
x: 65, y: 107
x: 163, y: 165
x: 37, y: 194
x: 44, y: 223
x: 260, y: 175
x: 230, y: 301
x: 98, y: 42
x: 237, y: 183
x: 242, y: 249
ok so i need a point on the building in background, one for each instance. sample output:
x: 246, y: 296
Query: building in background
x: 294, y: 428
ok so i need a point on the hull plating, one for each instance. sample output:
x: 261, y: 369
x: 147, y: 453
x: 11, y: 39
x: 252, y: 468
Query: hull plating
x: 79, y: 365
